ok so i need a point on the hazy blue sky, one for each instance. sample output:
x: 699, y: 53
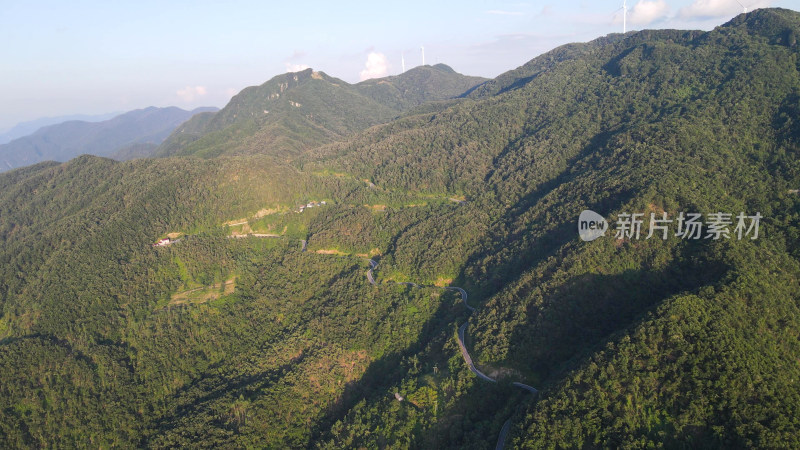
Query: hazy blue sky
x: 91, y: 57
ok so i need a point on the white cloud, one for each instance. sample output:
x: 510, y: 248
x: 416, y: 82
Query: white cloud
x: 498, y: 12
x: 720, y: 8
x: 292, y: 67
x: 376, y: 66
x: 189, y: 93
x: 645, y: 12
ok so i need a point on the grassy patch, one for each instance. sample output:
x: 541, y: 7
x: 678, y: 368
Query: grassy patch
x: 204, y: 294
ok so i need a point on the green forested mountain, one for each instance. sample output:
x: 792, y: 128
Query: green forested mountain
x: 132, y: 134
x: 258, y: 326
x: 417, y: 86
x: 294, y: 112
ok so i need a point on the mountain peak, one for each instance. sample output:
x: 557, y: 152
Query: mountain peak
x: 780, y: 26
x: 443, y: 67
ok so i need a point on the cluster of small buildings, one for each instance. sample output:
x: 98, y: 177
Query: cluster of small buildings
x: 163, y: 242
x: 311, y: 204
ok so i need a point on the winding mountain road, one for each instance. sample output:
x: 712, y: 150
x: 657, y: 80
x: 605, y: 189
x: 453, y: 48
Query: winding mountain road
x: 463, y: 296
x: 461, y: 329
x: 466, y: 356
x: 372, y: 265
x: 526, y: 387
x: 501, y: 439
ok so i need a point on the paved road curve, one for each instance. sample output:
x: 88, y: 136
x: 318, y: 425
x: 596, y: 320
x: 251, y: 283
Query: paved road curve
x: 372, y: 265
x: 466, y: 356
x: 501, y: 440
x: 463, y: 296
x: 525, y: 386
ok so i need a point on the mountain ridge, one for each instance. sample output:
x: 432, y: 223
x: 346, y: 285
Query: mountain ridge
x: 69, y: 139
x: 23, y: 129
x: 294, y: 112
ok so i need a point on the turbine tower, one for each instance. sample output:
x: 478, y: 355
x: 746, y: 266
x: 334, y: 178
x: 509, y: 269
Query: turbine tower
x: 403, y: 61
x: 422, y: 47
x: 625, y: 16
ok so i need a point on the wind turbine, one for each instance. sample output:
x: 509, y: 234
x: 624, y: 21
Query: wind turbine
x: 625, y: 16
x: 403, y: 61
x: 744, y: 8
x: 422, y: 47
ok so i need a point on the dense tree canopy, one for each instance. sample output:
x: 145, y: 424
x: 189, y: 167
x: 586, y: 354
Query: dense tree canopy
x: 257, y: 325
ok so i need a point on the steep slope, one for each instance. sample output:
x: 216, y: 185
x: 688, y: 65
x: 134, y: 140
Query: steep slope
x: 656, y: 121
x: 632, y: 342
x: 294, y: 112
x: 67, y: 140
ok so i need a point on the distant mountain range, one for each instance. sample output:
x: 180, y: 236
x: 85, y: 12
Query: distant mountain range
x: 132, y: 134
x: 25, y: 128
x: 287, y: 115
